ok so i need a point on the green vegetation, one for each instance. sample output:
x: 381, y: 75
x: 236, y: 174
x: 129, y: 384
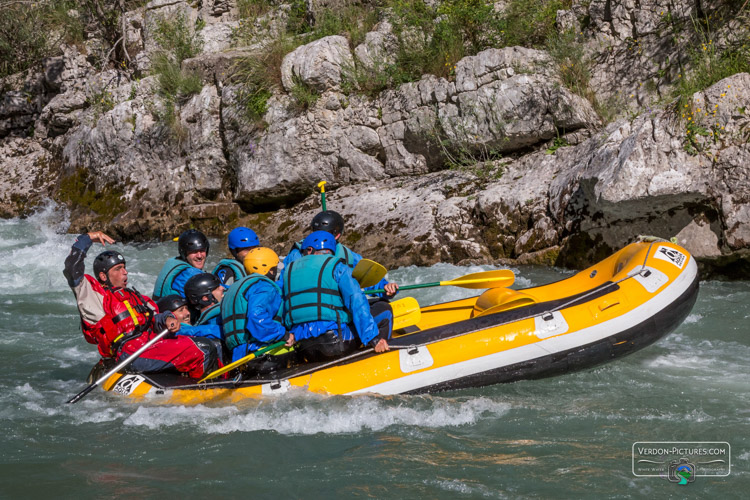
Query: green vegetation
x: 261, y: 74
x: 304, y: 95
x: 179, y: 42
x: 178, y: 38
x: 250, y: 9
x: 78, y: 190
x: 30, y: 31
x: 708, y: 63
x: 100, y: 102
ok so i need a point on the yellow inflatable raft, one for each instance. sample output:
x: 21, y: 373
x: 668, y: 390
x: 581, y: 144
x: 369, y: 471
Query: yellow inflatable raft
x: 614, y: 308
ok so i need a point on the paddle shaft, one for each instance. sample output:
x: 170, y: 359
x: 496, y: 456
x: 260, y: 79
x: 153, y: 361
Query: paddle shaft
x: 119, y: 367
x: 322, y: 186
x: 241, y: 361
x: 491, y: 281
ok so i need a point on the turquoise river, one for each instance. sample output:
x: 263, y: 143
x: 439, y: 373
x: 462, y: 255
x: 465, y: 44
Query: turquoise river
x: 565, y: 437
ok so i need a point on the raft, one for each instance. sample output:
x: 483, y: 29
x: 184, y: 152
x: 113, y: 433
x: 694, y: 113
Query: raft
x: 614, y: 308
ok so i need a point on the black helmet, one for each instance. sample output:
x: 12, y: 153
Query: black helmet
x: 171, y: 303
x: 328, y: 220
x: 106, y: 261
x: 198, y: 289
x: 192, y: 240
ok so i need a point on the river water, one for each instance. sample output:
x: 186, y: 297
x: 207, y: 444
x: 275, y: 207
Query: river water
x: 569, y: 436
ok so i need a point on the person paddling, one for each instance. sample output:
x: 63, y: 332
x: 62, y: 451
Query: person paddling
x: 240, y: 241
x: 250, y: 310
x: 193, y: 247
x: 333, y: 223
x: 119, y: 320
x: 323, y: 305
x: 204, y: 293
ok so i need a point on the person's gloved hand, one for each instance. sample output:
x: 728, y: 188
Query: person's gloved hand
x: 166, y: 320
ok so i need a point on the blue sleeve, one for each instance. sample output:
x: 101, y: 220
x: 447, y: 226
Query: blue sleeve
x: 263, y: 302
x: 180, y: 280
x: 212, y: 331
x: 74, y: 263
x: 356, y: 303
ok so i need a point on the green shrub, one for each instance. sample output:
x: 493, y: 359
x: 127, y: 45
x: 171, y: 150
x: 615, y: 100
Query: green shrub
x: 304, y: 95
x: 251, y: 9
x: 353, y: 22
x: 178, y: 38
x: 709, y: 64
x: 260, y: 74
x: 530, y: 24
x: 30, y: 31
x: 174, y: 83
x: 297, y: 22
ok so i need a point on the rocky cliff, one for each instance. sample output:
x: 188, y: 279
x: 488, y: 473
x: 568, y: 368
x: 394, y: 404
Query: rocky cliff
x: 556, y: 154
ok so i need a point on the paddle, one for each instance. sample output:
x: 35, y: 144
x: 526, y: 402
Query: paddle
x: 322, y: 186
x: 368, y: 273
x: 241, y: 361
x: 406, y: 312
x: 119, y: 367
x: 474, y: 281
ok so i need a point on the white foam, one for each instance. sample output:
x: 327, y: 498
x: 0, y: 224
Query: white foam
x: 463, y: 488
x: 303, y: 413
x: 692, y: 318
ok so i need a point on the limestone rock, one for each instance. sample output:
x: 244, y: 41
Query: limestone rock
x: 318, y: 64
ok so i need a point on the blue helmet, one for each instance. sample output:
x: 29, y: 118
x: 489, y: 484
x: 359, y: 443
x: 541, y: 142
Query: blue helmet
x: 242, y: 237
x: 320, y: 240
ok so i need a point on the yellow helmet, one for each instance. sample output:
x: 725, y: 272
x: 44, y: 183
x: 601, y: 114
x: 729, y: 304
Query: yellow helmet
x: 261, y: 260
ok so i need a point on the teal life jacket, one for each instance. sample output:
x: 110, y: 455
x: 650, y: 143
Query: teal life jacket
x: 208, y: 314
x: 311, y: 292
x: 234, y: 310
x: 345, y: 254
x: 233, y: 265
x: 164, y: 281
x: 342, y: 252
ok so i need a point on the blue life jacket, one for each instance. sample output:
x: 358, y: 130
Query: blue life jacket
x: 345, y: 254
x: 165, y: 280
x: 231, y: 268
x: 342, y: 252
x: 234, y: 310
x: 311, y: 293
x: 208, y: 314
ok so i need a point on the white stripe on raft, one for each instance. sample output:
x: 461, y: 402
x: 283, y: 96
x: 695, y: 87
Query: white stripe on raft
x: 542, y: 348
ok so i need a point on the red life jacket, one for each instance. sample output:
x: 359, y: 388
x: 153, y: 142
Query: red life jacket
x: 127, y: 314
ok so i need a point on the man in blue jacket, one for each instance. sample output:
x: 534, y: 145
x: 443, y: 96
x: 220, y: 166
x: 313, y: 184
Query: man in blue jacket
x: 324, y: 307
x: 204, y: 293
x: 250, y: 308
x: 333, y: 223
x: 240, y: 241
x: 193, y: 248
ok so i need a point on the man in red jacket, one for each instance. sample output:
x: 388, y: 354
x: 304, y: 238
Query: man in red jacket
x: 119, y: 320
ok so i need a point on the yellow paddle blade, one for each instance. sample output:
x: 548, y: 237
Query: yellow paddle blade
x: 368, y: 273
x: 514, y: 303
x: 406, y: 312
x: 485, y: 279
